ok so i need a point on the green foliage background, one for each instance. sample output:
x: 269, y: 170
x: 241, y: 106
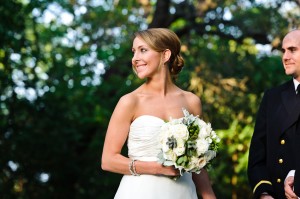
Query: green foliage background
x: 64, y: 64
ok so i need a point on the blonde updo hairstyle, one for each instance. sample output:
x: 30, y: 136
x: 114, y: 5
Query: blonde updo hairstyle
x: 160, y: 39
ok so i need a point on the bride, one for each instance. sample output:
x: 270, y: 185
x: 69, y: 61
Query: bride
x: 138, y: 117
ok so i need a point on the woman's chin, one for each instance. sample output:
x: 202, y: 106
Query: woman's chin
x: 141, y: 76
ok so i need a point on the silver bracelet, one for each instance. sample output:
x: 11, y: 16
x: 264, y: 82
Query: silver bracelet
x: 132, y: 168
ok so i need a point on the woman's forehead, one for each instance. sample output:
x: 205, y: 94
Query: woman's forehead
x: 139, y: 42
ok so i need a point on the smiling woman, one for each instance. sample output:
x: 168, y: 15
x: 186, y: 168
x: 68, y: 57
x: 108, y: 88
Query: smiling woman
x: 168, y: 45
x: 138, y: 118
x: 146, y: 60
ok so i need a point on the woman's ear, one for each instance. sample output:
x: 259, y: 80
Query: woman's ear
x: 167, y: 55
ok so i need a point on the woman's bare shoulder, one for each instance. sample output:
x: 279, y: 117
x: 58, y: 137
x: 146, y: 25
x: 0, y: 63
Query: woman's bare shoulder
x: 128, y: 100
x: 194, y: 102
x: 125, y: 108
x: 191, y: 97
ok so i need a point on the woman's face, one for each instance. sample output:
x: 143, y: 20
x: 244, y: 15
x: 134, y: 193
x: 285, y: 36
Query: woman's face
x: 145, y: 61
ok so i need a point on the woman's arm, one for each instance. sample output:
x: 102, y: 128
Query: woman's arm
x: 116, y: 136
x: 201, y: 180
x: 203, y: 185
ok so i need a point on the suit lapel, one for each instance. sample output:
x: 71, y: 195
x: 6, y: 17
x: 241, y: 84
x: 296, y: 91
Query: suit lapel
x: 288, y: 97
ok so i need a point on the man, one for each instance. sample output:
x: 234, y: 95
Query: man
x: 273, y: 148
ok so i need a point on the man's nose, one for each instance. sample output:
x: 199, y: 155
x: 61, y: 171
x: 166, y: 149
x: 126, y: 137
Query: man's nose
x: 286, y: 55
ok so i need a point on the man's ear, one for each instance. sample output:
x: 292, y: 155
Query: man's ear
x: 167, y: 55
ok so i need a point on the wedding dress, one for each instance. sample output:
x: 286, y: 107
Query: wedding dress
x: 143, y: 145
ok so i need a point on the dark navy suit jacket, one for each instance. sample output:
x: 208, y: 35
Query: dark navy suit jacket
x: 273, y: 145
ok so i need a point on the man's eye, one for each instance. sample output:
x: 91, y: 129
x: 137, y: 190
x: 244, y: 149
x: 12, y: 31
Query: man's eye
x: 293, y: 50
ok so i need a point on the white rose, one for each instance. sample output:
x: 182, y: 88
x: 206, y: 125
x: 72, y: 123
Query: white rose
x: 196, y: 164
x: 170, y: 155
x: 164, y: 132
x: 203, y: 132
x: 202, y: 146
x: 180, y: 131
x: 180, y: 149
x: 208, y: 127
x: 193, y: 164
x: 200, y: 122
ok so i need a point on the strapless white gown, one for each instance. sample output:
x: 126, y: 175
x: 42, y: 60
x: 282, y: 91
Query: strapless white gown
x: 143, y: 145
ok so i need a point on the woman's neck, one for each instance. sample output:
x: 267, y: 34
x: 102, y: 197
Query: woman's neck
x: 160, y: 85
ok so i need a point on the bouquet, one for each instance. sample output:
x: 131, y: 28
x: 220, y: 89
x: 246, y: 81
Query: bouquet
x: 188, y: 143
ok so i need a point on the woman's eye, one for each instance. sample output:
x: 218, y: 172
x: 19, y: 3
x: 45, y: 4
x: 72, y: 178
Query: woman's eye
x: 143, y: 50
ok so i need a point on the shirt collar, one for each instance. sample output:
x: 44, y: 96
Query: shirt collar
x: 296, y: 83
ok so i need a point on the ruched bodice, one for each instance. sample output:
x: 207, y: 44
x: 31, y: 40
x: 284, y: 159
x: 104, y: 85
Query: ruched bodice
x: 143, y: 145
x: 143, y: 138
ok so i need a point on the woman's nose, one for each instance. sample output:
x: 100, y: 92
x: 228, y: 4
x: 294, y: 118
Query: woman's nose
x: 135, y: 58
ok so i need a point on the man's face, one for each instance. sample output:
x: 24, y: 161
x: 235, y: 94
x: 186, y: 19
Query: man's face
x: 291, y: 54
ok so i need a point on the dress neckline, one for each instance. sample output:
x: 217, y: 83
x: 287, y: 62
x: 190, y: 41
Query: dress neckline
x: 151, y: 116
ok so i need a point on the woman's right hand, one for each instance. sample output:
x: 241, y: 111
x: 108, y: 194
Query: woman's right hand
x: 155, y: 168
x: 167, y: 170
